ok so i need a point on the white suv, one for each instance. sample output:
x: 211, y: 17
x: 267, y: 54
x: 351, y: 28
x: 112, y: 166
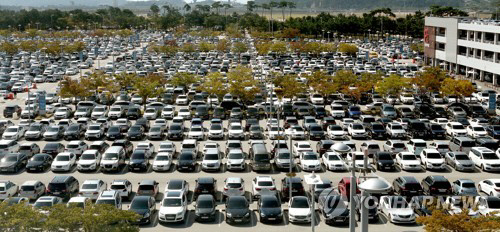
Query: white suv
x: 173, y: 207
x: 263, y: 185
x: 485, y: 158
x: 110, y: 197
x: 432, y: 159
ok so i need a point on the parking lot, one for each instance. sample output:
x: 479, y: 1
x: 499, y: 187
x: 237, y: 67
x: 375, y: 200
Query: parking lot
x: 248, y: 175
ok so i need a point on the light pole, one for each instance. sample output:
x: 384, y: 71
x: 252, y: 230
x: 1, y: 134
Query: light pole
x: 369, y: 34
x: 323, y: 36
x: 312, y: 180
x: 328, y: 33
x: 352, y: 192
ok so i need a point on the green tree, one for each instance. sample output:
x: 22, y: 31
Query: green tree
x: 392, y: 85
x: 289, y: 86
x: 223, y: 45
x: 440, y: 220
x: 214, y: 84
x: 154, y: 9
x: 263, y: 48
x: 350, y: 49
x: 206, y: 46
x: 459, y: 88
x: 429, y: 80
x: 279, y: 47
x: 148, y: 87
x: 9, y: 48
x: 183, y: 79
x: 283, y: 5
x: 322, y: 83
x: 123, y: 81
x: 251, y: 5
x: 242, y: 84
x: 187, y: 7
x: 445, y: 11
x: 240, y: 47
x: 73, y: 88
x: 188, y: 48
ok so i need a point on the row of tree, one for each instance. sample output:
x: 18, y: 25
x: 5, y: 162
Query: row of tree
x: 223, y: 45
x: 52, y: 48
x: 94, y: 218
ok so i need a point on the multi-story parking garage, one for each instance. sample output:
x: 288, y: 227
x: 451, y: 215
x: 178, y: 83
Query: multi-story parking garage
x: 468, y: 47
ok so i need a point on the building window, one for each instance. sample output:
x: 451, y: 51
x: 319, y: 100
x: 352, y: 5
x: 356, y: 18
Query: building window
x: 441, y: 31
x: 471, y: 52
x: 479, y: 35
x: 498, y: 57
x: 440, y: 46
x: 462, y: 50
x: 489, y: 37
x: 462, y: 34
x: 488, y: 55
x: 478, y: 53
x: 471, y: 35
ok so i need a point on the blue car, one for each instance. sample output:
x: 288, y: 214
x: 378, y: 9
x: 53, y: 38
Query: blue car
x: 354, y: 111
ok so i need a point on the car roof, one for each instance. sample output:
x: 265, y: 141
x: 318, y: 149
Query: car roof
x: 147, y: 182
x: 206, y: 180
x: 234, y: 180
x: 173, y: 194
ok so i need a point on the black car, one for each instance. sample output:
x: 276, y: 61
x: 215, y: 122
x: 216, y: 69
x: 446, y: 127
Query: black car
x: 205, y: 208
x: 63, y: 186
x: 436, y: 185
x: 202, y: 111
x: 114, y: 132
x: 417, y: 129
x: 316, y: 132
x: 372, y: 210
x: 376, y: 130
x: 138, y: 161
x: 187, y: 161
x: 477, y: 111
x: 237, y: 210
x: 322, y: 188
x: 205, y: 185
x: 297, y: 187
x: 251, y: 122
x: 440, y: 112
x: 320, y: 112
x: 323, y: 146
x: 144, y: 122
x: 269, y: 209
x: 176, y: 131
x: 435, y: 131
x: 219, y: 112
x: 407, y: 186
x: 494, y: 131
x: 134, y: 113
x: 145, y: 207
x: 424, y: 111
x: 383, y: 161
x: 333, y: 209
x: 39, y: 162
x: 9, y: 111
x: 136, y: 132
x: 253, y: 113
x: 53, y: 149
x: 487, y: 142
x: 74, y: 131
x: 13, y: 162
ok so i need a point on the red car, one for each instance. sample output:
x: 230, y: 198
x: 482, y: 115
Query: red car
x: 344, y: 187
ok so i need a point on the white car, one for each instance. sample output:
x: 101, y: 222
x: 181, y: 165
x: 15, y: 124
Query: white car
x: 432, y: 159
x: 234, y: 186
x: 300, y: 147
x: 333, y: 161
x: 167, y: 147
x: 485, y: 158
x: 309, y: 161
x: 148, y: 147
x: 76, y: 147
x: 441, y: 146
x: 440, y: 121
x: 184, y: 113
x: 337, y: 111
x: 476, y: 131
x: 162, y: 161
x: 150, y: 113
x: 263, y: 185
x: 92, y: 188
x: 299, y: 209
x: 490, y: 186
x: 397, y: 209
x: 90, y: 160
x: 99, y: 111
x: 296, y: 132
x: 408, y: 161
x: 406, y: 98
x: 216, y: 131
x: 8, y: 189
x: 360, y: 160
x: 336, y: 132
x: 489, y: 206
x: 64, y: 161
x: 455, y: 129
x: 196, y: 132
x: 168, y: 112
x: 395, y: 131
x: 182, y: 100
x: 212, y: 160
x: 13, y: 133
x: 32, y: 189
x: 62, y: 112
x: 235, y: 131
x: 235, y: 160
x: 94, y: 131
x: 317, y: 99
x: 456, y: 206
x: 178, y: 185
x: 173, y: 207
x: 357, y: 130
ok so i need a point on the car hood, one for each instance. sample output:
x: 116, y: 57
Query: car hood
x: 358, y: 131
x: 9, y: 133
x: 137, y: 161
x: 162, y: 162
x: 109, y: 161
x: 435, y: 161
x: 237, y: 212
x: 465, y: 162
x: 141, y: 212
x: 86, y: 162
x: 186, y: 162
x: 210, y: 161
x: 7, y: 164
x: 205, y: 210
x: 34, y: 163
x: 400, y: 211
x: 93, y: 131
x: 299, y: 211
x: 386, y: 161
x: 310, y: 162
x: 215, y: 131
x: 271, y: 211
x: 32, y: 132
x: 410, y: 162
x: 337, y: 132
x: 60, y: 163
x: 170, y: 210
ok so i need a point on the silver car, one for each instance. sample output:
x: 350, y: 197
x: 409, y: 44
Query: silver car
x: 282, y: 158
x: 459, y: 161
x: 464, y: 187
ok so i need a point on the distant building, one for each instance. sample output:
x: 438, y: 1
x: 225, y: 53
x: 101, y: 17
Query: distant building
x: 465, y: 46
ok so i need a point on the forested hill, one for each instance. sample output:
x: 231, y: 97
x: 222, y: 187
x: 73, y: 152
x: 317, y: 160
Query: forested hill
x: 369, y: 4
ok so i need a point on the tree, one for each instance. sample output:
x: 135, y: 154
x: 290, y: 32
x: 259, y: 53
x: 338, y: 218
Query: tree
x: 289, y: 85
x: 459, y: 88
x: 445, y: 11
x: 148, y: 87
x: 283, y: 5
x: 279, y: 47
x: 392, y: 85
x: 364, y: 84
x: 20, y: 217
x: 322, y: 83
x: 216, y: 6
x: 263, y: 48
x: 9, y: 48
x: 223, y: 45
x: 154, y: 9
x: 95, y: 81
x: 206, y: 47
x: 429, y: 80
x: 214, y: 84
x: 183, y: 79
x: 418, y: 47
x: 73, y: 88
x: 123, y: 81
x: 187, y: 7
x: 188, y: 48
x: 242, y: 83
x: 439, y: 221
x: 291, y: 5
x: 251, y: 6
x: 350, y: 49
x: 240, y: 47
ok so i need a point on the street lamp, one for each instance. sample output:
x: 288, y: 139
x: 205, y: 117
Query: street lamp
x: 312, y: 180
x: 323, y: 34
x: 328, y: 33
x: 369, y: 34
x: 372, y: 185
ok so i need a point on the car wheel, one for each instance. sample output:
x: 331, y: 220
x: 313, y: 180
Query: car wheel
x: 479, y: 189
x: 482, y: 168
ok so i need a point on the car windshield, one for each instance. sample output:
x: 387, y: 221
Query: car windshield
x: 409, y: 157
x: 89, y: 186
x: 138, y: 154
x: 38, y: 158
x: 110, y: 156
x: 186, y: 157
x: 171, y: 202
x: 237, y: 203
x: 398, y: 145
x: 87, y: 157
x: 299, y: 203
x: 478, y: 128
x: 62, y: 158
x: 490, y: 156
x: 94, y: 127
x: 216, y: 127
x: 271, y: 203
x: 310, y: 157
x: 433, y: 155
x: 461, y: 157
x: 11, y: 129
x: 458, y: 127
x: 139, y: 204
x: 162, y: 157
x: 468, y: 185
x: 41, y: 204
x: 494, y: 203
x: 211, y: 157
x: 397, y: 127
x: 398, y: 203
x: 10, y: 158
x: 35, y: 128
x: 235, y: 155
